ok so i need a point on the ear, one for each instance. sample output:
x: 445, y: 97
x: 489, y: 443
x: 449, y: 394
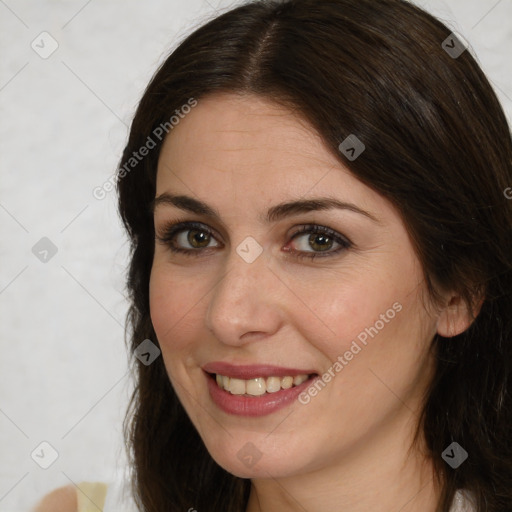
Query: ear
x: 455, y: 317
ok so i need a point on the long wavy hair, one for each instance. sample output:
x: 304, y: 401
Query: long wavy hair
x: 438, y: 147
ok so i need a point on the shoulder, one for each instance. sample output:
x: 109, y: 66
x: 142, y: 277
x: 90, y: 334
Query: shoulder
x: 62, y: 499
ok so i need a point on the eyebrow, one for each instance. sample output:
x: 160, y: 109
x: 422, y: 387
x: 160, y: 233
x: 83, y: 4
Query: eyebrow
x: 274, y: 214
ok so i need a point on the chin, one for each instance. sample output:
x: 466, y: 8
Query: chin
x: 258, y: 459
x: 268, y: 469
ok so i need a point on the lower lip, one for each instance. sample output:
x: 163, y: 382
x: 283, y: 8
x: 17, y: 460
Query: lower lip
x: 254, y: 406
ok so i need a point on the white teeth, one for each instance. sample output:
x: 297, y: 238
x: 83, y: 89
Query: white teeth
x: 273, y: 384
x: 258, y: 386
x: 236, y: 386
x: 287, y: 382
x: 299, y: 379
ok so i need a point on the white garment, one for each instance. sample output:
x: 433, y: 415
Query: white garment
x: 463, y: 502
x: 119, y: 499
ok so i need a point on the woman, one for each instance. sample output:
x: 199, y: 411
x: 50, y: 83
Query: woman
x: 320, y: 276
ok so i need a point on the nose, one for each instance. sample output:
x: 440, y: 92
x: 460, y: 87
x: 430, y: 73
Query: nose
x: 244, y: 305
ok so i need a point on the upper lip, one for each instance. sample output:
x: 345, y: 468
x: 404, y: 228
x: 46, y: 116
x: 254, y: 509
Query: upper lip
x: 253, y: 371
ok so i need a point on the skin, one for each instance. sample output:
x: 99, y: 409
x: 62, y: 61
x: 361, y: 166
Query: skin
x: 63, y: 499
x: 347, y: 449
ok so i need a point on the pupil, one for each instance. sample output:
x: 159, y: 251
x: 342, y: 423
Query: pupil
x: 323, y: 238
x: 195, y: 237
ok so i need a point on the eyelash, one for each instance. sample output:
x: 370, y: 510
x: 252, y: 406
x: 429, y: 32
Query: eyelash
x: 170, y: 230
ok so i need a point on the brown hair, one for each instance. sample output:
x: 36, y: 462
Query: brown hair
x: 438, y: 147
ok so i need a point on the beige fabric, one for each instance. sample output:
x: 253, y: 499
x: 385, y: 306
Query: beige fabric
x: 91, y: 496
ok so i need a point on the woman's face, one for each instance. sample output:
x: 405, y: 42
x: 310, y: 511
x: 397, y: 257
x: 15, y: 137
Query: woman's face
x: 248, y: 302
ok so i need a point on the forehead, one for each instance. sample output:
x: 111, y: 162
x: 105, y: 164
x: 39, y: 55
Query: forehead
x: 225, y: 128
x: 248, y: 149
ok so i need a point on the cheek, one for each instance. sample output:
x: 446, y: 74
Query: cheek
x: 372, y: 321
x: 171, y: 307
x: 381, y: 354
x: 340, y: 315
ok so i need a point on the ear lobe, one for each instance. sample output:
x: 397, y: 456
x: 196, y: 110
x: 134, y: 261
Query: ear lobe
x: 456, y: 318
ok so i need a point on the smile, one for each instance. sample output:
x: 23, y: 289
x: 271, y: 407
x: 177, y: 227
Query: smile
x: 254, y: 390
x: 260, y: 385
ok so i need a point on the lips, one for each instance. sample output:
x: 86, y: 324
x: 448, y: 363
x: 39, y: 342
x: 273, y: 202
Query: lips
x: 232, y: 399
x: 247, y: 372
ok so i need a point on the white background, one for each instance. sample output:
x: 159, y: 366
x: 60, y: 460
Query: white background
x: 63, y: 123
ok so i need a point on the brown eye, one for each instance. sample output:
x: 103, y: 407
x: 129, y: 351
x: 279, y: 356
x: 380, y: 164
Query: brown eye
x: 193, y: 239
x: 197, y: 238
x: 186, y: 237
x: 319, y: 240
